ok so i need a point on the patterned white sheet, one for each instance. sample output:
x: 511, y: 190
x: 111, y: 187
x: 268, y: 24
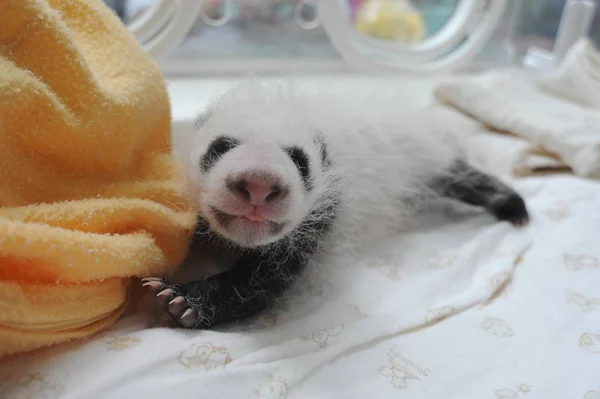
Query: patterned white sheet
x: 471, y: 309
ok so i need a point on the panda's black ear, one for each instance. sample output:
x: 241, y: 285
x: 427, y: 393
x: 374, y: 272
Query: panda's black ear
x: 201, y: 120
x: 322, y: 144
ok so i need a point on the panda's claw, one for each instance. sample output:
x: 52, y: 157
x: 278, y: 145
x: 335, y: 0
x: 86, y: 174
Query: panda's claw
x: 177, y: 300
x: 188, y: 318
x: 149, y: 279
x: 155, y: 285
x: 167, y: 292
x: 176, y: 305
x: 172, y: 301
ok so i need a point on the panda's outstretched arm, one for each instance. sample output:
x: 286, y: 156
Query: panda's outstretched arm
x: 254, y: 283
x: 470, y: 185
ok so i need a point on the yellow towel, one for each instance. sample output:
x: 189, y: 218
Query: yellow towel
x: 89, y: 193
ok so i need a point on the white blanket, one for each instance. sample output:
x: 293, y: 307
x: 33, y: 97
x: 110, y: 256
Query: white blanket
x: 471, y: 309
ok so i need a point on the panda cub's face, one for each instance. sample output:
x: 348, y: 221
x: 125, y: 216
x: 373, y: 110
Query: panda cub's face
x: 257, y: 167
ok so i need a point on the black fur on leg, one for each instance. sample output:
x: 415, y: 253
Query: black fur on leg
x: 251, y: 286
x: 467, y: 184
x: 257, y: 281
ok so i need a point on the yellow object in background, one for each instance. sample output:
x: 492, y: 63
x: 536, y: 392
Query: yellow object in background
x: 394, y: 20
x: 90, y: 195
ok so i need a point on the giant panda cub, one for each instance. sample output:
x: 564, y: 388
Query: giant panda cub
x: 281, y: 176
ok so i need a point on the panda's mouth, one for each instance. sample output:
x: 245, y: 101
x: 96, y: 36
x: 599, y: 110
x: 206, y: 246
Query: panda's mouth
x: 253, y: 217
x: 251, y: 223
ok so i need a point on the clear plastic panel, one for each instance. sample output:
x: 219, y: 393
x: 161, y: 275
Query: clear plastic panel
x: 253, y: 29
x: 468, y: 29
x: 281, y: 29
x: 537, y: 24
x: 255, y: 35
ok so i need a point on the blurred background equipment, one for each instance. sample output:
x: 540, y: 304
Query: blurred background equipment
x: 212, y: 37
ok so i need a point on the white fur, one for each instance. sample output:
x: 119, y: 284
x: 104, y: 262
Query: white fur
x: 384, y: 150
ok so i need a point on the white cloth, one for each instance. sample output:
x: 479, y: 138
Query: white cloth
x: 473, y: 309
x: 528, y: 124
x: 577, y: 78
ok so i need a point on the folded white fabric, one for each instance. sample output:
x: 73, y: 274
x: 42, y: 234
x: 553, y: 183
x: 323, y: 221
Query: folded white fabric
x: 577, y: 78
x: 528, y: 124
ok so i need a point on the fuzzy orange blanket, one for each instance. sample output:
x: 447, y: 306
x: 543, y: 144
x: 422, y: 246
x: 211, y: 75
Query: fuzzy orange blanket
x: 89, y: 192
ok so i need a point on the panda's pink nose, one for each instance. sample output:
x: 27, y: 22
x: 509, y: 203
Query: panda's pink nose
x: 258, y: 190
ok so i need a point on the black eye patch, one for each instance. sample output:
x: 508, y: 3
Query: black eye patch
x: 320, y: 141
x: 217, y: 148
x: 300, y: 159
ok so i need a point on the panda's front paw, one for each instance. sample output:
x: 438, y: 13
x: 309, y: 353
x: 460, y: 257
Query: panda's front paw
x: 175, y: 301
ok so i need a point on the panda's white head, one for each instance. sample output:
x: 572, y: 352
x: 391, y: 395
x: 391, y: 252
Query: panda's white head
x: 258, y: 166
